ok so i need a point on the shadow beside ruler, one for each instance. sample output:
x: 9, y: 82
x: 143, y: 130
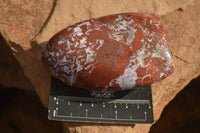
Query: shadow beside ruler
x: 68, y: 103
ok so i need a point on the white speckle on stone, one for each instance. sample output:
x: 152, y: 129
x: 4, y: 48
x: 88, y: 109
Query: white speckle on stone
x: 76, y: 44
x: 90, y: 55
x: 87, y: 32
x: 157, y: 24
x: 51, y: 53
x: 156, y: 54
x: 72, y: 78
x: 63, y: 59
x: 71, y: 51
x: 69, y: 28
x: 82, y: 60
x: 73, y: 39
x: 161, y: 74
x: 66, y: 69
x: 97, y: 28
x: 85, y: 23
x: 79, y: 67
x: 151, y: 21
x: 78, y: 31
x: 142, y: 40
x: 83, y: 42
x: 146, y: 32
x: 131, y: 35
x: 100, y: 43
x: 90, y: 43
x: 110, y: 35
x: 88, y: 66
x: 91, y: 68
x: 149, y: 40
x: 57, y: 54
x: 61, y: 42
x: 141, y: 57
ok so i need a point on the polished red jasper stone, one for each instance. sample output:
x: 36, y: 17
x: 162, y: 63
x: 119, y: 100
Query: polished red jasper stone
x: 115, y: 52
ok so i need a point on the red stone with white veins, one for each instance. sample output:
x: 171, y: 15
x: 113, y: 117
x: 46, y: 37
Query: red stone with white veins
x: 115, y: 52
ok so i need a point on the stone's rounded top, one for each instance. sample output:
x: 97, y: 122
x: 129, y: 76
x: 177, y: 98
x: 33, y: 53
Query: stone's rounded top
x: 115, y: 52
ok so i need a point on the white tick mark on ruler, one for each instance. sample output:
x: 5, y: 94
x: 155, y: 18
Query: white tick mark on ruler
x: 104, y: 105
x: 71, y: 114
x: 145, y: 115
x: 115, y: 114
x: 115, y: 105
x: 54, y: 113
x: 126, y: 105
x: 138, y: 106
x: 86, y: 113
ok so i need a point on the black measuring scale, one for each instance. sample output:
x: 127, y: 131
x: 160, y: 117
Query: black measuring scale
x: 67, y: 103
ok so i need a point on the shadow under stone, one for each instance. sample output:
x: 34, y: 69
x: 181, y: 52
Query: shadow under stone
x: 22, y: 112
x: 182, y: 114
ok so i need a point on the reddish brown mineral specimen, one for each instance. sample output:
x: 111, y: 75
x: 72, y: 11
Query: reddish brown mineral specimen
x: 115, y: 52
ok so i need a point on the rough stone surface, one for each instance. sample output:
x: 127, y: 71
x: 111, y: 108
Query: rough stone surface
x: 115, y: 52
x: 68, y: 12
x: 180, y: 20
x: 22, y: 20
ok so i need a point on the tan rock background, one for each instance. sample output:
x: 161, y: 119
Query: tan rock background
x: 26, y: 26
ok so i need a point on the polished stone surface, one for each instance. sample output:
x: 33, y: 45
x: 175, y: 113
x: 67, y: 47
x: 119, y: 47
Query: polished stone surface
x: 115, y: 52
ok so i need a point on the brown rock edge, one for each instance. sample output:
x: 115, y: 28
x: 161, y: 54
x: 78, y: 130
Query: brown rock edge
x: 26, y: 31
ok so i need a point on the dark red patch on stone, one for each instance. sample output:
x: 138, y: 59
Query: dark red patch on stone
x: 115, y: 52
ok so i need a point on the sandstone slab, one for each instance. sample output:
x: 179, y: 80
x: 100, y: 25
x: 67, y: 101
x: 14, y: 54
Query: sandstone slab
x: 180, y: 27
x: 21, y: 21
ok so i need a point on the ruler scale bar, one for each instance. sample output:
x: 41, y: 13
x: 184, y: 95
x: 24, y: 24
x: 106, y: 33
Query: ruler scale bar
x: 66, y: 98
x: 119, y: 119
x: 73, y: 104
